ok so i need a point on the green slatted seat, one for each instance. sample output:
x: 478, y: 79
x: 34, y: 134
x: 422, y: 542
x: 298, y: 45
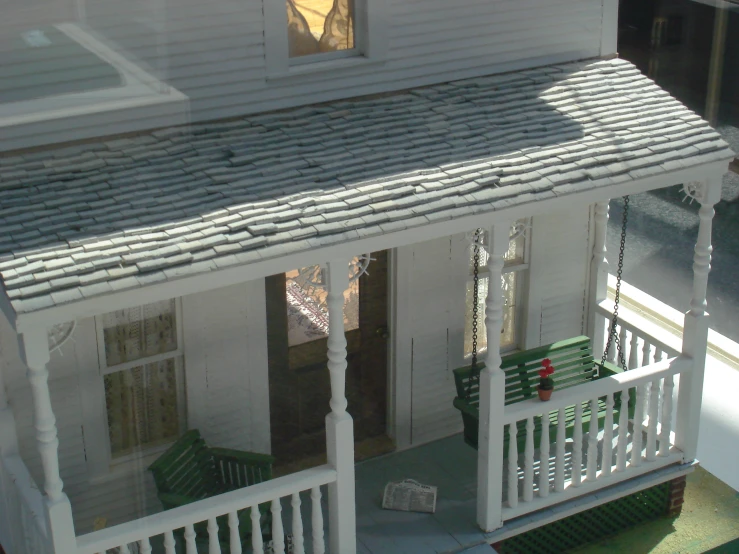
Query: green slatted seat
x: 574, y: 363
x: 190, y: 470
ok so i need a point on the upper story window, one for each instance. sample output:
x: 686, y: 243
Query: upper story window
x: 319, y: 27
x: 305, y: 36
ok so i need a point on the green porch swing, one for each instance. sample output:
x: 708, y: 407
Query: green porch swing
x: 572, y: 357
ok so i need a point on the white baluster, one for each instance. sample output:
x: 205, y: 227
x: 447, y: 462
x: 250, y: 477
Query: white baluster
x: 577, y: 447
x: 169, y: 543
x: 235, y: 538
x: 636, y: 439
x: 317, y: 521
x: 528, y: 472
x: 544, y: 457
x: 123, y: 549
x: 512, y: 466
x: 190, y: 546
x: 559, y: 462
x: 623, y: 423
x: 659, y: 354
x: 278, y: 534
x: 214, y: 546
x: 634, y: 351
x: 257, y: 543
x: 646, y: 353
x: 297, y: 525
x: 145, y: 546
x: 592, y: 471
x: 664, y: 438
x: 607, y: 459
x: 622, y: 340
x: 651, y: 454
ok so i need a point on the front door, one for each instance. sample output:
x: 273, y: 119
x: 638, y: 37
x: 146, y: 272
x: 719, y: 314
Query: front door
x: 297, y: 324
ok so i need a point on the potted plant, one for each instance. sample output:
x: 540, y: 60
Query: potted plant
x: 546, y: 383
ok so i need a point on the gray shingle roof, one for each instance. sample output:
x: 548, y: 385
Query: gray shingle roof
x: 86, y: 220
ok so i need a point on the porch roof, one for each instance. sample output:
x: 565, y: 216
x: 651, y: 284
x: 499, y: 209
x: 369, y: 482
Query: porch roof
x: 88, y: 220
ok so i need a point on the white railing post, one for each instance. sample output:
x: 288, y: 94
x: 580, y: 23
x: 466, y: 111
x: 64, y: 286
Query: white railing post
x: 492, y: 393
x: 34, y: 350
x: 339, y: 424
x: 597, y: 324
x: 695, y: 332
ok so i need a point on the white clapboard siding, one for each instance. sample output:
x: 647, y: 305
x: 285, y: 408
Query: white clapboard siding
x: 214, y: 53
x: 433, y: 290
x: 226, y: 364
x: 557, y: 282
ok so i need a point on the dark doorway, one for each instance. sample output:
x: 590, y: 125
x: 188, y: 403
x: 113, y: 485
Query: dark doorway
x: 300, y: 391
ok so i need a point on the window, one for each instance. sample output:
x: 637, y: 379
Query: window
x: 513, y: 281
x: 140, y: 353
x: 307, y: 311
x: 305, y: 36
x: 319, y: 26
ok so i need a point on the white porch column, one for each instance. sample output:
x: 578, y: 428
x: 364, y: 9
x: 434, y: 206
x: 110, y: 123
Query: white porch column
x: 597, y: 324
x: 339, y: 424
x: 492, y: 392
x: 34, y: 350
x: 695, y: 331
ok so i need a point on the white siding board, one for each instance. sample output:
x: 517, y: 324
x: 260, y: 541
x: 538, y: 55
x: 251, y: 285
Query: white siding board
x: 214, y: 52
x: 559, y: 261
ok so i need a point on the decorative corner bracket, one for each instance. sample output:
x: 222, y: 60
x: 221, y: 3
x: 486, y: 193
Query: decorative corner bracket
x: 695, y: 190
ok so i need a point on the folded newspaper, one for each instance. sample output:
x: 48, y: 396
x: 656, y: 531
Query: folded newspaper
x: 409, y: 496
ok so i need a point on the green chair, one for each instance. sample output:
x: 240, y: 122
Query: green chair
x: 574, y: 363
x: 190, y: 470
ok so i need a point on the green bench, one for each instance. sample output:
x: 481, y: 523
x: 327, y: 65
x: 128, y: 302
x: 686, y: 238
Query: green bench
x: 190, y: 470
x: 574, y: 365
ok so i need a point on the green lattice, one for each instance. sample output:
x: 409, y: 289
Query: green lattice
x: 591, y: 525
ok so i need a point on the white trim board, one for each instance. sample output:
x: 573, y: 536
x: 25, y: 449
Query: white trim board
x: 280, y: 264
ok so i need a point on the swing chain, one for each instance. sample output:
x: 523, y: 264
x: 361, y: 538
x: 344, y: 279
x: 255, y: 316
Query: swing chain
x: 474, y: 372
x: 613, y: 337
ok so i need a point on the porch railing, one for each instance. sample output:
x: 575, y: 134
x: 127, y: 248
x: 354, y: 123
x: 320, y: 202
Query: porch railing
x: 181, y: 521
x: 642, y: 340
x: 595, y: 458
x: 29, y: 532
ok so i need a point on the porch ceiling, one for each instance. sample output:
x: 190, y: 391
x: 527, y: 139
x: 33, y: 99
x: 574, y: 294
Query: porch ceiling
x: 88, y: 220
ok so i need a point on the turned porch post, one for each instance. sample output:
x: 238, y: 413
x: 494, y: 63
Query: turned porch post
x: 597, y: 324
x: 339, y: 424
x: 695, y: 331
x: 34, y: 351
x: 492, y: 392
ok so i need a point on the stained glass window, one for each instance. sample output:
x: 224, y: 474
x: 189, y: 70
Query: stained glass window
x: 318, y: 26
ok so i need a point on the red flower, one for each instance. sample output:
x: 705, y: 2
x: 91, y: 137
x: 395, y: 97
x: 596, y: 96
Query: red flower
x: 543, y: 373
x: 550, y: 370
x: 546, y: 362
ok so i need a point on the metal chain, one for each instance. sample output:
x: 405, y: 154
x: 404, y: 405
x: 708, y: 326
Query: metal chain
x: 474, y: 373
x: 613, y: 337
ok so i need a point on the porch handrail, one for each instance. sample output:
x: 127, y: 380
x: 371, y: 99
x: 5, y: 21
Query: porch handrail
x: 31, y: 536
x: 598, y: 388
x: 668, y: 342
x: 204, y: 510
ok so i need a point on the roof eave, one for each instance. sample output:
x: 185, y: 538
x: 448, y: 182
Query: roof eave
x: 261, y: 268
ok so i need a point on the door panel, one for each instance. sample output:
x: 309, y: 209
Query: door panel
x: 298, y: 376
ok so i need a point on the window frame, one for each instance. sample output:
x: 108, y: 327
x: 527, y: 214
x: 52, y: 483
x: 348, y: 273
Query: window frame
x: 106, y: 463
x: 370, y: 42
x: 522, y: 283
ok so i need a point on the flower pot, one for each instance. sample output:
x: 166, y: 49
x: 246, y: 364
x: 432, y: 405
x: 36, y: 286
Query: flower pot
x: 544, y: 394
